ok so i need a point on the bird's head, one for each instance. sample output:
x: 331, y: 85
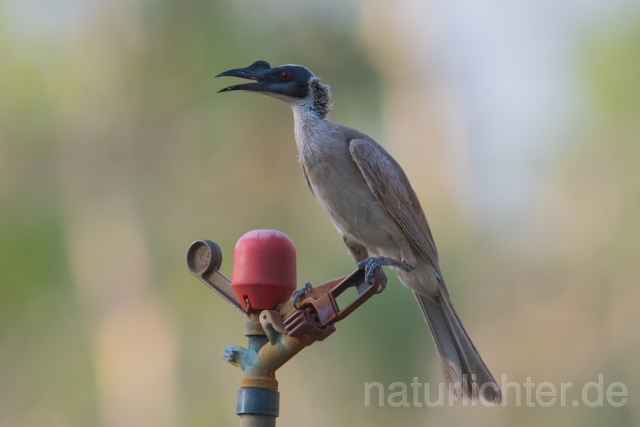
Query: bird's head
x: 294, y: 84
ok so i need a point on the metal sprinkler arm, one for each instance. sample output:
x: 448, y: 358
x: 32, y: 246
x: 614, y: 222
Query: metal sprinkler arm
x: 204, y: 259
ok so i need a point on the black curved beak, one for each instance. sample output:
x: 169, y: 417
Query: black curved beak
x: 255, y: 72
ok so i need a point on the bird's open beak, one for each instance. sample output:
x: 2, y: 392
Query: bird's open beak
x: 253, y: 72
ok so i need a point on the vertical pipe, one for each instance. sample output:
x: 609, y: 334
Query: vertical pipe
x: 255, y: 420
x: 257, y: 406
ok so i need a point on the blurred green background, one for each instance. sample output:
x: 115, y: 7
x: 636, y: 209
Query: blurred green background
x: 518, y: 125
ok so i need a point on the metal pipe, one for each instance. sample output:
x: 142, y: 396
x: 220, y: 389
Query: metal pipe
x: 254, y: 420
x: 258, y: 398
x: 258, y: 406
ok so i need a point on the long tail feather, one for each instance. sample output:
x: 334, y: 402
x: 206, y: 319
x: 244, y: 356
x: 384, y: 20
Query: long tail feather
x: 464, y: 370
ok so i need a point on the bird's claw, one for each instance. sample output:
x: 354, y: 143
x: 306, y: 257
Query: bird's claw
x: 297, y: 294
x: 370, y: 264
x: 383, y: 282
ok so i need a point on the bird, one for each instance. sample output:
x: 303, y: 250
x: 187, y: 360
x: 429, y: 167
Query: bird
x: 371, y: 203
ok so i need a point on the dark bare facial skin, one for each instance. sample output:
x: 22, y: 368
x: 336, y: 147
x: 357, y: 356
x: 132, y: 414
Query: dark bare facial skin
x: 288, y: 80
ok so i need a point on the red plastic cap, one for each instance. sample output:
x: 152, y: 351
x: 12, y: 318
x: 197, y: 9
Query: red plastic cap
x: 264, y: 269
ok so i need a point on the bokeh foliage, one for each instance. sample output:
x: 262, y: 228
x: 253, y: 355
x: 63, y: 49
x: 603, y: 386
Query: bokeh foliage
x: 114, y: 120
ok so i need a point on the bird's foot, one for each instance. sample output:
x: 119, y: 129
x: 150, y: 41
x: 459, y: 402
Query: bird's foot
x: 370, y: 264
x: 297, y: 294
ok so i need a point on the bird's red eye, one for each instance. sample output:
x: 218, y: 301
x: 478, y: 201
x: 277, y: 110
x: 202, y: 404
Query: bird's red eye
x: 285, y: 76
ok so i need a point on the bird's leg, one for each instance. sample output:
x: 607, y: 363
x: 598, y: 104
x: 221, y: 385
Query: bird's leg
x: 370, y: 264
x: 297, y: 294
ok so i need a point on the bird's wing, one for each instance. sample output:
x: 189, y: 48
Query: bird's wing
x: 390, y: 185
x: 306, y: 177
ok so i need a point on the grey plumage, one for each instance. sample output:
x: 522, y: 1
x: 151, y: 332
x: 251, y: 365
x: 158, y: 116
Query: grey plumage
x: 372, y: 205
